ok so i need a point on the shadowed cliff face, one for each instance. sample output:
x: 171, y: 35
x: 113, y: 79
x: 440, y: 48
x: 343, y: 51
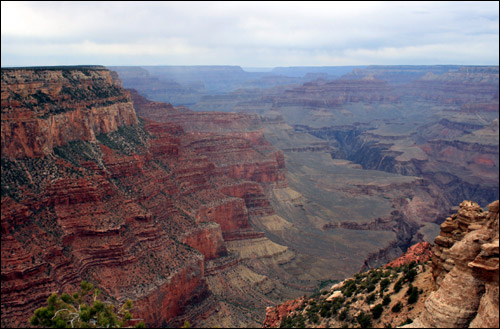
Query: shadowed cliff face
x: 143, y: 209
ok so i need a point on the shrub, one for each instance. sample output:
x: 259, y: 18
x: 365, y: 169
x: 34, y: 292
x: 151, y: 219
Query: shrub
x: 364, y: 320
x: 343, y: 315
x: 387, y: 300
x: 314, y: 318
x: 398, y: 285
x: 397, y: 307
x: 377, y: 311
x: 384, y: 284
x: 410, y: 275
x: 410, y: 289
x: 370, y: 298
x: 286, y: 322
x: 370, y: 287
x: 413, y: 296
x: 407, y: 321
x: 349, y: 288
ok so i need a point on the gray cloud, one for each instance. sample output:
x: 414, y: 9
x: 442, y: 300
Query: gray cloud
x: 249, y: 33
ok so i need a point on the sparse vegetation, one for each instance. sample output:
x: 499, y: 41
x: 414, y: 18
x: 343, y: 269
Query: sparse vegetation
x: 407, y: 321
x: 384, y: 284
x: 398, y: 285
x: 349, y: 311
x: 370, y: 298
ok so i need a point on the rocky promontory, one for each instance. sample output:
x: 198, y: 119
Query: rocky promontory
x: 453, y: 286
x: 465, y: 271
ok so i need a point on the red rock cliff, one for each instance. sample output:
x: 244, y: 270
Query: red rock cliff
x: 90, y: 192
x: 42, y: 109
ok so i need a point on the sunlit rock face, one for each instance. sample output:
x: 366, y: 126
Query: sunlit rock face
x: 465, y: 270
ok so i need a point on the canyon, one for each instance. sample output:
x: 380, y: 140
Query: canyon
x: 277, y: 181
x: 145, y: 210
x: 433, y: 129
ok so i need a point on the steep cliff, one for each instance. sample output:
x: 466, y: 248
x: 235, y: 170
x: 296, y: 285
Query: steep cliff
x: 137, y: 207
x: 46, y: 108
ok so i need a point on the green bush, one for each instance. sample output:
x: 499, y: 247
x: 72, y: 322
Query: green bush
x: 286, y: 322
x: 349, y: 288
x: 397, y: 307
x: 314, y: 318
x: 413, y: 296
x: 377, y: 311
x: 72, y: 311
x: 410, y: 276
x: 398, y: 285
x: 407, y: 321
x: 387, y: 300
x: 370, y: 298
x: 343, y: 315
x: 364, y: 320
x: 384, y: 284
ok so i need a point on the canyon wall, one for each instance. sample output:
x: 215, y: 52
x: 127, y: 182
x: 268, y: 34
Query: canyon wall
x: 148, y: 211
x: 42, y: 109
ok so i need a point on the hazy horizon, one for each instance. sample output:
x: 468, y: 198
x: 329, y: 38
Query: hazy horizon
x: 249, y: 34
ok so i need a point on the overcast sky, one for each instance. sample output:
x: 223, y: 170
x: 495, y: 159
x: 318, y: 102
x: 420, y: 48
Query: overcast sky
x: 249, y: 34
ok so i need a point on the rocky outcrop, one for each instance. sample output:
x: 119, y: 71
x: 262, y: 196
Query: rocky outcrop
x: 378, y: 298
x: 457, y: 289
x: 274, y: 315
x: 207, y: 239
x: 419, y: 253
x: 465, y: 270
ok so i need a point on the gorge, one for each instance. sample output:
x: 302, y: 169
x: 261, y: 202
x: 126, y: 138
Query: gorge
x: 251, y: 190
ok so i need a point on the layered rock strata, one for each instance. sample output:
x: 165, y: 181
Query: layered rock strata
x: 137, y: 207
x: 465, y: 270
x: 43, y: 109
